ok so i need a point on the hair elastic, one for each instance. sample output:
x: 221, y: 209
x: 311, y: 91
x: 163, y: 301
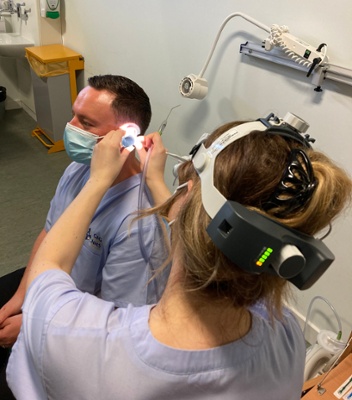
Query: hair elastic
x: 296, y: 186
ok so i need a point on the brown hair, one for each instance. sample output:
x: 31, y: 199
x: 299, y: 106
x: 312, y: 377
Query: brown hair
x: 131, y: 103
x: 248, y: 171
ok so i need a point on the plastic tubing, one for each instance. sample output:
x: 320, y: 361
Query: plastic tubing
x: 339, y: 334
x: 140, y: 200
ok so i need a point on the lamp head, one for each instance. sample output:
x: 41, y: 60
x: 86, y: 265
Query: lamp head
x: 193, y: 87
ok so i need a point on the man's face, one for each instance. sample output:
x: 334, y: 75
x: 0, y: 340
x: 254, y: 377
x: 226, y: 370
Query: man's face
x: 92, y: 111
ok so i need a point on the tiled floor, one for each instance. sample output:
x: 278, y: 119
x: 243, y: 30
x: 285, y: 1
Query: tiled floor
x: 28, y: 176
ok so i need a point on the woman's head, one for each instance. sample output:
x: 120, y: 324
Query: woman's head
x: 249, y: 171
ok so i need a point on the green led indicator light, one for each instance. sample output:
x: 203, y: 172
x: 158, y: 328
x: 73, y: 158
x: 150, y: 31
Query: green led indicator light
x: 264, y: 256
x: 307, y: 53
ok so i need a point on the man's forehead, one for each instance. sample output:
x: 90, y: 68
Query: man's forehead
x: 95, y: 107
x: 97, y: 96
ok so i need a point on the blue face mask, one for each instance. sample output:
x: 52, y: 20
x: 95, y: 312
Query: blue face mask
x: 79, y: 144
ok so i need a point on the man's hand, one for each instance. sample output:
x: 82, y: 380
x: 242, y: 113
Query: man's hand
x: 12, y: 307
x: 9, y: 330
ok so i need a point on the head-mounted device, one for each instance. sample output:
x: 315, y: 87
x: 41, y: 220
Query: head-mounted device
x: 254, y: 242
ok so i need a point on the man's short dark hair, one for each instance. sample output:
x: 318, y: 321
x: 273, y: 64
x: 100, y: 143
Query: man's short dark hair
x: 131, y: 103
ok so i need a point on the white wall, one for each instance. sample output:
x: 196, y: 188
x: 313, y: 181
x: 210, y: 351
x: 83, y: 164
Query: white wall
x: 158, y: 42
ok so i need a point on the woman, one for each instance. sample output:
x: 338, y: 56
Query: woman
x: 218, y: 332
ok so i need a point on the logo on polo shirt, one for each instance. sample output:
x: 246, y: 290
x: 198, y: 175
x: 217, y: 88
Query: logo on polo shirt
x: 95, y: 240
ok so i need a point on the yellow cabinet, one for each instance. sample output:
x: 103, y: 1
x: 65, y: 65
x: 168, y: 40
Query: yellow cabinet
x: 53, y: 70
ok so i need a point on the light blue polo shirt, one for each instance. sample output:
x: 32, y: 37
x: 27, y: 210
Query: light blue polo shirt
x: 112, y: 263
x: 76, y: 346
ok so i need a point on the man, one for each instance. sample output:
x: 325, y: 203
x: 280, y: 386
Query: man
x: 118, y: 258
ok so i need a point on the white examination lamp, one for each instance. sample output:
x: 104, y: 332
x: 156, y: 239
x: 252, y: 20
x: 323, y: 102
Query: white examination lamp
x: 293, y: 52
x: 195, y: 86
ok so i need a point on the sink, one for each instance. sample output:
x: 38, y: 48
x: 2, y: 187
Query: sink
x: 13, y: 45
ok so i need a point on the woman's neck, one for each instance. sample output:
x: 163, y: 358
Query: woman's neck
x: 182, y: 320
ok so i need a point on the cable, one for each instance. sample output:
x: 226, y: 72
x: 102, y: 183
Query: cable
x: 140, y: 199
x: 327, y: 233
x: 339, y: 334
x: 227, y: 19
x: 142, y: 186
x: 179, y: 158
x: 294, y: 48
x: 320, y: 389
x: 147, y: 259
x: 277, y: 40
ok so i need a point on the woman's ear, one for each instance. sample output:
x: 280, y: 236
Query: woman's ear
x: 189, y: 185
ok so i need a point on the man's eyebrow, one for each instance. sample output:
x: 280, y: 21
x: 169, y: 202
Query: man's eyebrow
x: 86, y: 118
